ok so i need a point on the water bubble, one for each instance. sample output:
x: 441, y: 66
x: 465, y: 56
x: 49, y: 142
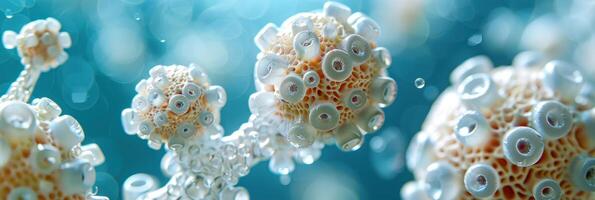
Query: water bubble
x: 162, y: 40
x: 137, y: 16
x: 475, y: 40
x: 10, y: 8
x: 420, y: 83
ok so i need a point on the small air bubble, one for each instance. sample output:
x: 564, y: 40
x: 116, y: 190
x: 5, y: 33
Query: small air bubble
x: 475, y: 40
x: 8, y: 13
x: 137, y: 17
x: 420, y: 83
x: 162, y: 41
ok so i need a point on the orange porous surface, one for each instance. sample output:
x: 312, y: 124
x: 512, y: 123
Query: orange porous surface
x: 18, y: 172
x: 520, y: 91
x: 327, y: 90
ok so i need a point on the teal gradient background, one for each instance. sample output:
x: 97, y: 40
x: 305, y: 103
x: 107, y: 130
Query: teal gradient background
x: 94, y: 88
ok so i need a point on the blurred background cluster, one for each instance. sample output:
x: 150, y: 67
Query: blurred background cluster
x: 115, y: 42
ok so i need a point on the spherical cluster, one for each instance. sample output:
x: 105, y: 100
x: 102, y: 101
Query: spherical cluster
x: 321, y: 75
x: 512, y: 132
x: 173, y: 106
x: 40, y: 44
x: 41, y: 156
x: 352, y: 82
x: 40, y: 153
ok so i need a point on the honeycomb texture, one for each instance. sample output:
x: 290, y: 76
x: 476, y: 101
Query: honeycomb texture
x: 520, y: 88
x: 19, y: 170
x: 332, y: 32
x: 327, y: 90
x: 41, y: 156
x: 156, y: 97
x: 321, y: 64
x: 19, y: 173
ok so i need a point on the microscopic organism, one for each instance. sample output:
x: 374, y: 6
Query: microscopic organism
x: 177, y: 106
x: 41, y: 156
x: 174, y: 105
x: 40, y: 44
x: 320, y: 78
x: 512, y: 132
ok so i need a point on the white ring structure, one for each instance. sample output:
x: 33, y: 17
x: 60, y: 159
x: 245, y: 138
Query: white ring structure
x: 547, y: 189
x: 551, y: 119
x: 522, y: 146
x: 563, y: 78
x: 582, y: 173
x: 478, y: 90
x: 481, y: 180
x: 138, y: 184
x: 442, y: 181
x: 474, y: 65
x: 472, y: 129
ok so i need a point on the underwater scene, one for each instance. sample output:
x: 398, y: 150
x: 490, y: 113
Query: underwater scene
x: 297, y: 99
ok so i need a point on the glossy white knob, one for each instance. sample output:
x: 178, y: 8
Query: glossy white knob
x: 66, y: 131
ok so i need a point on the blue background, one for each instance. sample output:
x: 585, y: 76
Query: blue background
x: 115, y: 42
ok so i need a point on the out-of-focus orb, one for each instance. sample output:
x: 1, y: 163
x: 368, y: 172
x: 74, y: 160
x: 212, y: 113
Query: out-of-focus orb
x: 503, y: 30
x: 324, y: 183
x: 388, y: 152
x: 545, y: 34
x: 512, y: 132
x: 404, y: 21
x: 583, y: 55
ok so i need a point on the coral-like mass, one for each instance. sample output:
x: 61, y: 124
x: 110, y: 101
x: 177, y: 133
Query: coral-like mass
x: 512, y: 132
